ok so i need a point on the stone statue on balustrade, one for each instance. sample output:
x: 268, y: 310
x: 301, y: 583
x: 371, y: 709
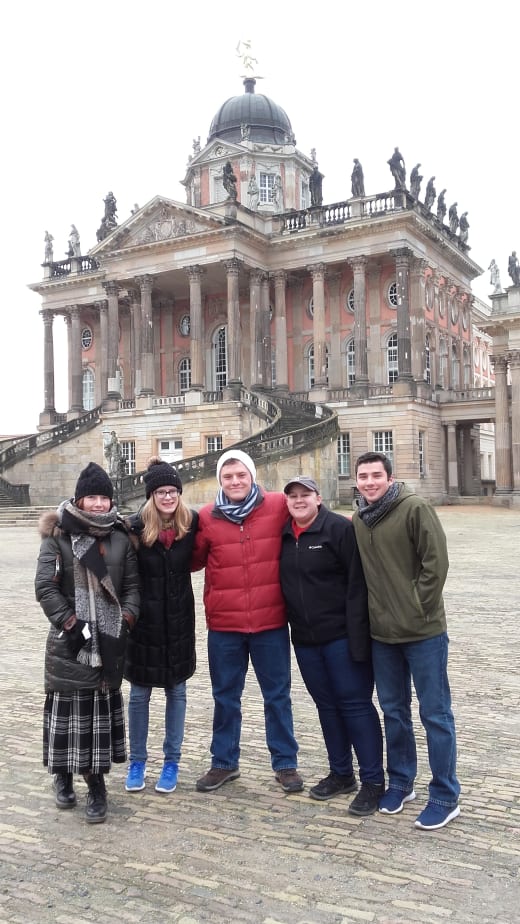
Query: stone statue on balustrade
x: 429, y: 196
x: 513, y: 268
x: 109, y: 220
x: 453, y: 217
x: 398, y: 169
x: 114, y: 456
x: 441, y: 206
x: 74, y: 244
x: 315, y: 186
x: 357, y: 180
x: 229, y: 180
x: 415, y: 182
x: 494, y: 277
x: 49, y: 253
x: 253, y: 194
x: 463, y: 228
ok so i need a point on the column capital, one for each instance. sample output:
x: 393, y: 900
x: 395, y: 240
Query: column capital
x: 256, y: 275
x: 358, y: 264
x: 499, y: 363
x: 279, y: 277
x: 101, y: 304
x: 514, y: 359
x: 195, y: 272
x: 145, y: 283
x: 47, y: 316
x: 317, y: 270
x: 111, y: 287
x: 74, y: 311
x: 232, y: 266
x: 419, y: 265
x: 403, y: 255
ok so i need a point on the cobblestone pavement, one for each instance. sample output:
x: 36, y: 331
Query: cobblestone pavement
x: 249, y: 853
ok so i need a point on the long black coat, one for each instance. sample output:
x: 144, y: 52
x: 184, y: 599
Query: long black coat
x: 54, y: 586
x: 161, y: 647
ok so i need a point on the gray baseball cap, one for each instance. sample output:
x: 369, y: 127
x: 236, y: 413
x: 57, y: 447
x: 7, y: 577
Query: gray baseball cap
x: 304, y: 481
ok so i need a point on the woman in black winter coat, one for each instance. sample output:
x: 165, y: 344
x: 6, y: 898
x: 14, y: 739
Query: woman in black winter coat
x: 161, y: 650
x: 87, y: 585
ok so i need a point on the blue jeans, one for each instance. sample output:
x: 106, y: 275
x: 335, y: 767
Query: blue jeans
x: 228, y: 655
x: 426, y: 662
x: 342, y: 690
x: 138, y: 719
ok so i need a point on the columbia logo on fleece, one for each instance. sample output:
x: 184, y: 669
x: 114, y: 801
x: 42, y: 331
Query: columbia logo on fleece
x: 310, y: 547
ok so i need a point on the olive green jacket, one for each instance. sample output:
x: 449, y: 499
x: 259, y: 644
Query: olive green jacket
x: 405, y: 560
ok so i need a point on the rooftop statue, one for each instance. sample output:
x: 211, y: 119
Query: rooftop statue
x: 441, y: 206
x: 357, y: 180
x: 74, y: 244
x: 48, y: 247
x: 463, y: 228
x: 245, y: 54
x: 315, y: 186
x: 109, y: 220
x: 398, y: 169
x: 453, y: 218
x: 430, y: 194
x: 415, y: 182
x: 229, y: 180
x: 494, y: 277
x: 513, y: 268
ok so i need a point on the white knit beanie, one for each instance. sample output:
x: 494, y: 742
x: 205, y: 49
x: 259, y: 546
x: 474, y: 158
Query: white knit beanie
x: 239, y: 456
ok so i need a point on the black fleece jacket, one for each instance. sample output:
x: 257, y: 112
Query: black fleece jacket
x: 324, y: 586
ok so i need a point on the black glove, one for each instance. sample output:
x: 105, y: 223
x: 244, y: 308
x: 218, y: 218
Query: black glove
x: 75, y: 638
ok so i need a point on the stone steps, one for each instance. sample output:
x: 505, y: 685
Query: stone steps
x: 20, y: 516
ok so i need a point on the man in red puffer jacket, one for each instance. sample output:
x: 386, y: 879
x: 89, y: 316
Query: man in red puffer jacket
x: 238, y: 542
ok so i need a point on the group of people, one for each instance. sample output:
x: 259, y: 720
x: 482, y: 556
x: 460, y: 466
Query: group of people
x: 360, y: 600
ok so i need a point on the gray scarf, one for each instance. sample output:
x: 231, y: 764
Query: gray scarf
x: 372, y: 513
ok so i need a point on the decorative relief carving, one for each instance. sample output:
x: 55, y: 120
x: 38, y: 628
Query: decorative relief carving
x: 166, y: 226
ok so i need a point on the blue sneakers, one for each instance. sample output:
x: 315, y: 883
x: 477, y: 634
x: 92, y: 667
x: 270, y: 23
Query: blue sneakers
x: 167, y: 781
x: 436, y: 816
x: 393, y: 801
x: 135, y: 776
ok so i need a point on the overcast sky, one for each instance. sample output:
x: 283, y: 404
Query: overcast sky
x: 109, y: 95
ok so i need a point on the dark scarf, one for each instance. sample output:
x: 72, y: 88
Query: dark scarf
x: 96, y: 600
x: 237, y: 512
x: 372, y: 513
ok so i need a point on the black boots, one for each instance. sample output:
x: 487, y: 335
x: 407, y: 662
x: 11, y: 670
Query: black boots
x: 65, y: 795
x: 96, y: 810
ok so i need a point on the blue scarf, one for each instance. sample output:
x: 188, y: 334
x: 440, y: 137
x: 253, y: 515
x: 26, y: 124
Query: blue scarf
x: 237, y: 512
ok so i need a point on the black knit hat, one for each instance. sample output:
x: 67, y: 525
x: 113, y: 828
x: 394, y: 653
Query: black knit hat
x: 93, y: 480
x: 159, y: 474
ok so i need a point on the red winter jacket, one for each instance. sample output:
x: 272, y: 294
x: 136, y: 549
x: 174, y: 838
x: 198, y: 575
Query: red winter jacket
x: 242, y: 584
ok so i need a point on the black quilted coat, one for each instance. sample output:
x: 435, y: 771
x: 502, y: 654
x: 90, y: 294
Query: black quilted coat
x: 161, y: 647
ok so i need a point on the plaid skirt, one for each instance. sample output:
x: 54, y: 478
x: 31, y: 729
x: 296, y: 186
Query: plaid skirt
x: 83, y: 731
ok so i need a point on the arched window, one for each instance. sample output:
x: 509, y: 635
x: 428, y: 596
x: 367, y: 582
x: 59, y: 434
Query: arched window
x: 351, y: 362
x: 310, y: 357
x: 392, y: 296
x: 392, y: 363
x: 427, y: 361
x: 184, y: 374
x: 443, y: 362
x: 220, y: 364
x: 467, y: 367
x: 88, y: 390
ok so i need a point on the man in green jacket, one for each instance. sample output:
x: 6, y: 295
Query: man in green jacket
x: 405, y: 560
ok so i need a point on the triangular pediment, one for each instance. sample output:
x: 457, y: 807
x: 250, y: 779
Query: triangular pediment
x: 158, y: 221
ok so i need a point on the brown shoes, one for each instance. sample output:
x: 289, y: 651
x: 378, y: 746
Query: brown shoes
x: 215, y: 778
x: 290, y: 780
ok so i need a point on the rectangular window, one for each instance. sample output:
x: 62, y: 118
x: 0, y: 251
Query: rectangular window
x: 213, y: 444
x: 344, y: 454
x: 170, y: 450
x: 304, y: 197
x: 384, y: 442
x: 422, y: 448
x: 266, y: 187
x: 128, y: 453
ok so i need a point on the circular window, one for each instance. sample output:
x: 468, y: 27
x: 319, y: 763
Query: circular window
x: 391, y: 295
x: 310, y: 307
x: 442, y: 301
x: 349, y: 301
x: 465, y: 317
x: 86, y: 338
x: 184, y: 325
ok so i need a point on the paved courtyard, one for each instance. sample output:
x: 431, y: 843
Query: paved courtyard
x: 248, y: 853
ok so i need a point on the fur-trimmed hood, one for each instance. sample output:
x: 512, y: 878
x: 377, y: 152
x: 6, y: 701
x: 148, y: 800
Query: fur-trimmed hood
x: 48, y: 524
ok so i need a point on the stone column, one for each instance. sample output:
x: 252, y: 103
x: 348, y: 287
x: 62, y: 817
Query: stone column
x: 233, y: 315
x: 255, y: 328
x: 404, y: 342
x: 514, y: 366
x: 102, y: 350
x: 296, y: 359
x: 49, y: 407
x: 360, y: 320
x: 147, y: 360
x: 417, y: 316
x: 336, y: 370
x: 135, y: 338
x: 453, y: 479
x: 76, y: 368
x: 112, y: 290
x: 320, y: 347
x: 266, y: 331
x: 280, y: 326
x: 197, y: 373
x: 503, y: 464
x: 377, y: 351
